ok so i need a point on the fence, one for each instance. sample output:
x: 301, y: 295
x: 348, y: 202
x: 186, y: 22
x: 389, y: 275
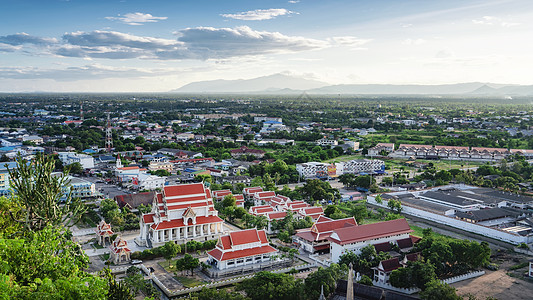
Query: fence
x: 410, y: 291
x: 216, y: 284
x: 453, y: 222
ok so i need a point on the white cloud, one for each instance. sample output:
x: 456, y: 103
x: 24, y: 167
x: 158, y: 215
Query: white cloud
x: 192, y: 43
x: 86, y: 72
x: 24, y: 38
x: 259, y: 14
x: 294, y: 1
x: 137, y: 18
x: 495, y: 21
x: 349, y: 41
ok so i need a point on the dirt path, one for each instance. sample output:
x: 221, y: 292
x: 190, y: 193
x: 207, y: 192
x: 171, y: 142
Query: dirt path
x: 496, y: 284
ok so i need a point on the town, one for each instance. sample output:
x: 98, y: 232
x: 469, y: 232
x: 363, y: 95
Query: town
x: 187, y: 196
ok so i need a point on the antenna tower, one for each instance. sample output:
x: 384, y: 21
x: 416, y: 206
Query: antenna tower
x: 81, y: 111
x: 108, y: 134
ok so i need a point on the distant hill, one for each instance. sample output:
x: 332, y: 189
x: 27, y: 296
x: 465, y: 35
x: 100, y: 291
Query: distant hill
x: 286, y: 84
x: 268, y: 84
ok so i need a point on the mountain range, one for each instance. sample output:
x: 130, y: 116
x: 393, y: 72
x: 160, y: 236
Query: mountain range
x: 287, y: 84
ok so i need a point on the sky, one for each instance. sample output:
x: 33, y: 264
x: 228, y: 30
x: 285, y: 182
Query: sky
x: 160, y: 45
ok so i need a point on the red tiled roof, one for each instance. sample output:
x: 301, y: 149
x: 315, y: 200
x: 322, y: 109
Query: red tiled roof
x: 254, y: 208
x: 128, y: 168
x: 184, y: 189
x: 179, y: 222
x: 277, y: 215
x: 307, y: 235
x: 186, y: 199
x: 313, y: 210
x: 252, y: 190
x: 321, y: 247
x: 326, y: 226
x: 221, y: 256
x: 225, y: 242
x: 390, y: 264
x: 172, y: 207
x: 264, y: 210
x: 365, y: 232
x: 265, y: 194
x: 244, y: 237
x: 148, y: 218
x: 239, y: 197
x: 262, y: 236
x: 323, y: 219
x: 221, y: 193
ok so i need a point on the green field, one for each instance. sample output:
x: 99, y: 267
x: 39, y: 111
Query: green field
x: 189, y: 281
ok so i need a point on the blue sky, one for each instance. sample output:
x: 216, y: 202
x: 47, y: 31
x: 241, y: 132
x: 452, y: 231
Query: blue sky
x: 156, y: 46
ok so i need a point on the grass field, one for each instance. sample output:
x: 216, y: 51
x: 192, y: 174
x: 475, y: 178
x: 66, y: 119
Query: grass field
x: 189, y: 281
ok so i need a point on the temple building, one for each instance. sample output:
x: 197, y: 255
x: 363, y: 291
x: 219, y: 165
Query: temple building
x: 119, y: 250
x: 103, y: 232
x: 315, y: 239
x: 352, y: 239
x: 180, y: 213
x: 241, y: 248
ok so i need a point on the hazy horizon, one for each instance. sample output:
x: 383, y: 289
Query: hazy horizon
x: 158, y: 46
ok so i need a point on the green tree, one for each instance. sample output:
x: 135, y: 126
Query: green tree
x: 436, y: 290
x: 170, y: 250
x: 323, y: 277
x: 40, y: 195
x: 117, y: 290
x: 229, y: 200
x: 75, y: 168
x: 188, y: 262
x: 267, y: 285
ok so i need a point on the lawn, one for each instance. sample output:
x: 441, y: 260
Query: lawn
x: 169, y: 267
x: 97, y: 246
x: 418, y: 231
x: 190, y: 281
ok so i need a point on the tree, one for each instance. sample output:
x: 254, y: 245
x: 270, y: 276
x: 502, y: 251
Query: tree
x: 323, y: 277
x: 436, y: 290
x: 117, y: 290
x: 40, y: 195
x: 188, y: 262
x: 210, y: 294
x: 229, y: 200
x: 75, y: 168
x: 395, y: 205
x: 170, y: 250
x: 267, y: 285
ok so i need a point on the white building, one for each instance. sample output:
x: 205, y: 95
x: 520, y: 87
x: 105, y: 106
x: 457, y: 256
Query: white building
x: 312, y: 169
x: 327, y: 142
x: 180, y: 213
x: 241, y: 248
x: 353, y: 238
x: 67, y: 158
x: 358, y: 166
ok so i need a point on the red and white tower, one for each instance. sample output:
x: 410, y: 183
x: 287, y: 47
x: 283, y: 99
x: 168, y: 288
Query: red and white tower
x: 108, y: 134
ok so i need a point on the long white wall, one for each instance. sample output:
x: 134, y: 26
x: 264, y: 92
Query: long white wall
x: 457, y: 223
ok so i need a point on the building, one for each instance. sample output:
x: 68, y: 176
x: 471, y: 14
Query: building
x: 80, y: 188
x: 37, y: 140
x: 133, y: 201
x: 312, y: 169
x: 67, y: 158
x: 241, y: 248
x: 180, y: 154
x: 103, y: 233
x: 119, y: 250
x: 5, y: 182
x: 384, y: 269
x: 353, y: 238
x: 263, y: 119
x: 161, y: 165
x: 358, y: 166
x: 326, y: 142
x: 180, y: 213
x: 235, y: 153
x: 315, y: 239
